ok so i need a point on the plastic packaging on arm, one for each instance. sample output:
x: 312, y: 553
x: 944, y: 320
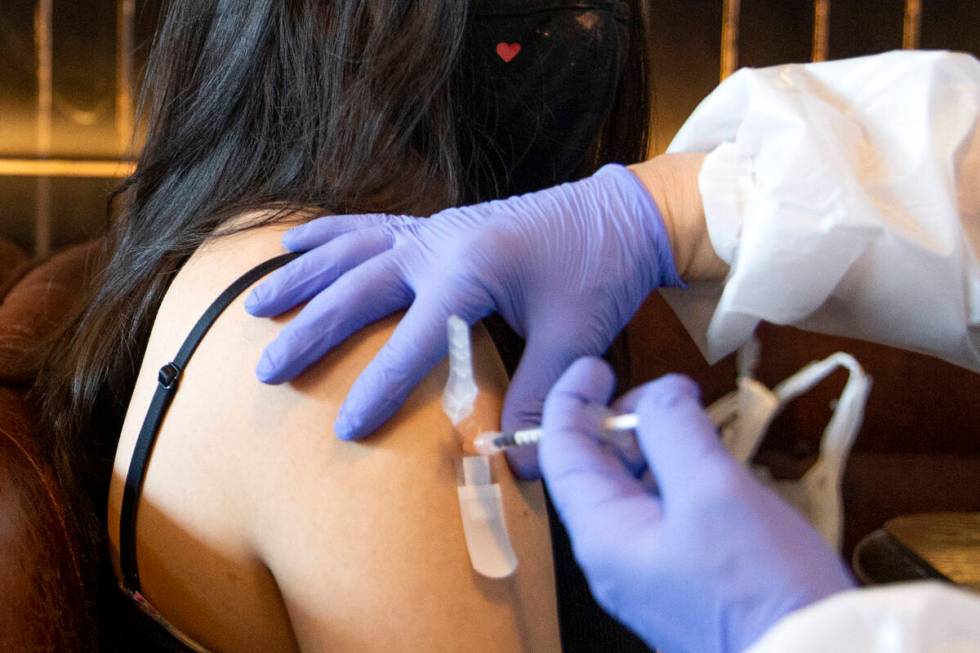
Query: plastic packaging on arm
x: 846, y: 198
x: 480, y: 499
x: 923, y: 617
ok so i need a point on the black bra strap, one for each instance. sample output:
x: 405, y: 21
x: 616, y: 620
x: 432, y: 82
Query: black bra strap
x: 167, y: 379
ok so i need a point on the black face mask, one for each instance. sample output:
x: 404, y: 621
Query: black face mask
x: 540, y: 80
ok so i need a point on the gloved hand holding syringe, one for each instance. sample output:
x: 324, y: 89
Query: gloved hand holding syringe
x: 615, y: 429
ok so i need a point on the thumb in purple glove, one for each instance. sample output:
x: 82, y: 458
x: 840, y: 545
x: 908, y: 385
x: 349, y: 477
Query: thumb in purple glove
x: 710, y: 562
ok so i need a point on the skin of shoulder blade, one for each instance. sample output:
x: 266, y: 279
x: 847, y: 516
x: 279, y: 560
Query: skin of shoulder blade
x: 258, y: 530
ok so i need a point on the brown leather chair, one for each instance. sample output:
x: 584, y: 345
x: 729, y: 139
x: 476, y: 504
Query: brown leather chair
x: 42, y: 603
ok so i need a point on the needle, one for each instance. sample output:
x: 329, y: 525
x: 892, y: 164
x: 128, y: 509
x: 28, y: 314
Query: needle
x: 491, y: 442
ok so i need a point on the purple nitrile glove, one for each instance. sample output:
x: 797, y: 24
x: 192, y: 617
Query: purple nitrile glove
x: 566, y: 267
x: 709, y: 562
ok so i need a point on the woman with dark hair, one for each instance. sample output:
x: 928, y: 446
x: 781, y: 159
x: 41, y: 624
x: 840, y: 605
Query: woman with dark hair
x: 258, y: 530
x: 839, y: 197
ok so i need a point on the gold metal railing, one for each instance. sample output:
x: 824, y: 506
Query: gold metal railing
x: 731, y: 12
x: 912, y: 25
x: 43, y: 168
x: 821, y: 30
x: 64, y: 168
x: 45, y: 101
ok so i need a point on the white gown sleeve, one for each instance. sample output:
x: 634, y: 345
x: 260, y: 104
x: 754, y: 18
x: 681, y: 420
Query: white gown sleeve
x: 922, y: 617
x: 845, y: 196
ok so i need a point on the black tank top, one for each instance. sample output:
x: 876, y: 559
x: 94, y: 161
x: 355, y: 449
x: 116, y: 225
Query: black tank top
x: 152, y: 627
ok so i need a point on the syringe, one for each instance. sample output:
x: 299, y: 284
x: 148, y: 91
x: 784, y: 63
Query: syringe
x: 491, y: 442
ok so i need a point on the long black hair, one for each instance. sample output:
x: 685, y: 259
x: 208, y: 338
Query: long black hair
x: 281, y: 104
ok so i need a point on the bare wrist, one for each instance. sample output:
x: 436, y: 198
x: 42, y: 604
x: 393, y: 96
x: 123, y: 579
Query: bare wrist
x: 672, y: 181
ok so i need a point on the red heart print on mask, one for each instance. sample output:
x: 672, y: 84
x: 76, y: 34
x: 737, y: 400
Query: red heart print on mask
x: 508, y: 51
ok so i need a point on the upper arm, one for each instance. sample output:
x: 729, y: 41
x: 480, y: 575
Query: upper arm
x: 371, y: 554
x: 249, y: 494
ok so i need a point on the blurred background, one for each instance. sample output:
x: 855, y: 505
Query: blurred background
x: 68, y: 73
x: 69, y: 69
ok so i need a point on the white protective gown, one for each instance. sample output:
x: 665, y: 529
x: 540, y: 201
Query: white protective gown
x: 845, y: 196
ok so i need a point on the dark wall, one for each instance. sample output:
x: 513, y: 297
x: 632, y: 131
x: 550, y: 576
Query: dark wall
x: 686, y: 44
x: 687, y: 40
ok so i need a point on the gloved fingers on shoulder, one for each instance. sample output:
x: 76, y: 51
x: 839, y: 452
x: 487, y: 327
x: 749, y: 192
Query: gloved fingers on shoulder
x: 473, y: 213
x: 319, y: 231
x: 415, y: 346
x: 312, y: 272
x: 364, y: 295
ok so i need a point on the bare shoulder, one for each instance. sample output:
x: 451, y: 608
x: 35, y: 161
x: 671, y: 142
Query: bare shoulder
x: 256, y: 523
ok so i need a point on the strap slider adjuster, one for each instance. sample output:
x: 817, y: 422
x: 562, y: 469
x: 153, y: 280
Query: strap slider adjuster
x: 168, y: 375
